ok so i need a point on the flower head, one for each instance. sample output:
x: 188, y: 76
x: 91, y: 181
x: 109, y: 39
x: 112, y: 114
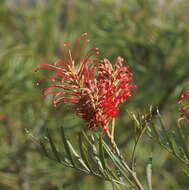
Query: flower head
x: 114, y: 83
x: 183, y: 98
x: 95, y: 87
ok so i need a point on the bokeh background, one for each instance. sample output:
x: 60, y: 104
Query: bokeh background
x: 153, y: 36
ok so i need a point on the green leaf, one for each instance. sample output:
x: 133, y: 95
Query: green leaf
x: 112, y: 174
x: 186, y: 174
x: 53, y: 147
x: 77, y: 156
x: 43, y: 147
x: 66, y: 147
x: 149, y: 173
x: 117, y: 163
x: 167, y: 136
x: 83, y: 152
x: 101, y: 153
x: 183, y: 140
x: 87, y: 139
x: 92, y: 147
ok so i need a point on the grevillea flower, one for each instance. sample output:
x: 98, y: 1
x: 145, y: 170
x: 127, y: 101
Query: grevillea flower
x: 95, y: 87
x: 183, y: 98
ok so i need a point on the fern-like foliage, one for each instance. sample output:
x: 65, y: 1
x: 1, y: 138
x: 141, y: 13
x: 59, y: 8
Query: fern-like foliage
x: 174, y: 139
x: 90, y: 155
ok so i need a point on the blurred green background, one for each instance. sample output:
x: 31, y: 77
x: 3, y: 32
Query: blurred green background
x: 153, y: 36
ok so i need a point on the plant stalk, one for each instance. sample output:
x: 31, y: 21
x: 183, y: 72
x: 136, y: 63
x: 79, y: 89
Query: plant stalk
x: 117, y: 152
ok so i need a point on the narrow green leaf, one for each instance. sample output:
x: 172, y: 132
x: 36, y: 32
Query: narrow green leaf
x: 136, y: 120
x: 82, y: 151
x: 114, y: 175
x: 108, y: 175
x: 149, y: 173
x: 166, y: 134
x: 114, y: 159
x: 117, y: 163
x: 186, y: 174
x: 182, y: 140
x: 87, y: 138
x: 156, y: 134
x: 101, y: 153
x: 53, y: 147
x: 93, y: 150
x: 66, y: 146
x: 78, y: 157
x: 44, y: 150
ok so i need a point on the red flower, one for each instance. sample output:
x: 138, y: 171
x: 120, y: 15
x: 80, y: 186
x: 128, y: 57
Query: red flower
x: 183, y: 98
x: 96, y: 88
x: 114, y: 82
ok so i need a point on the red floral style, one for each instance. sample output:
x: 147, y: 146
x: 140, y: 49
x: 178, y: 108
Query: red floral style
x: 114, y: 84
x: 184, y: 96
x: 95, y: 87
x: 71, y: 73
